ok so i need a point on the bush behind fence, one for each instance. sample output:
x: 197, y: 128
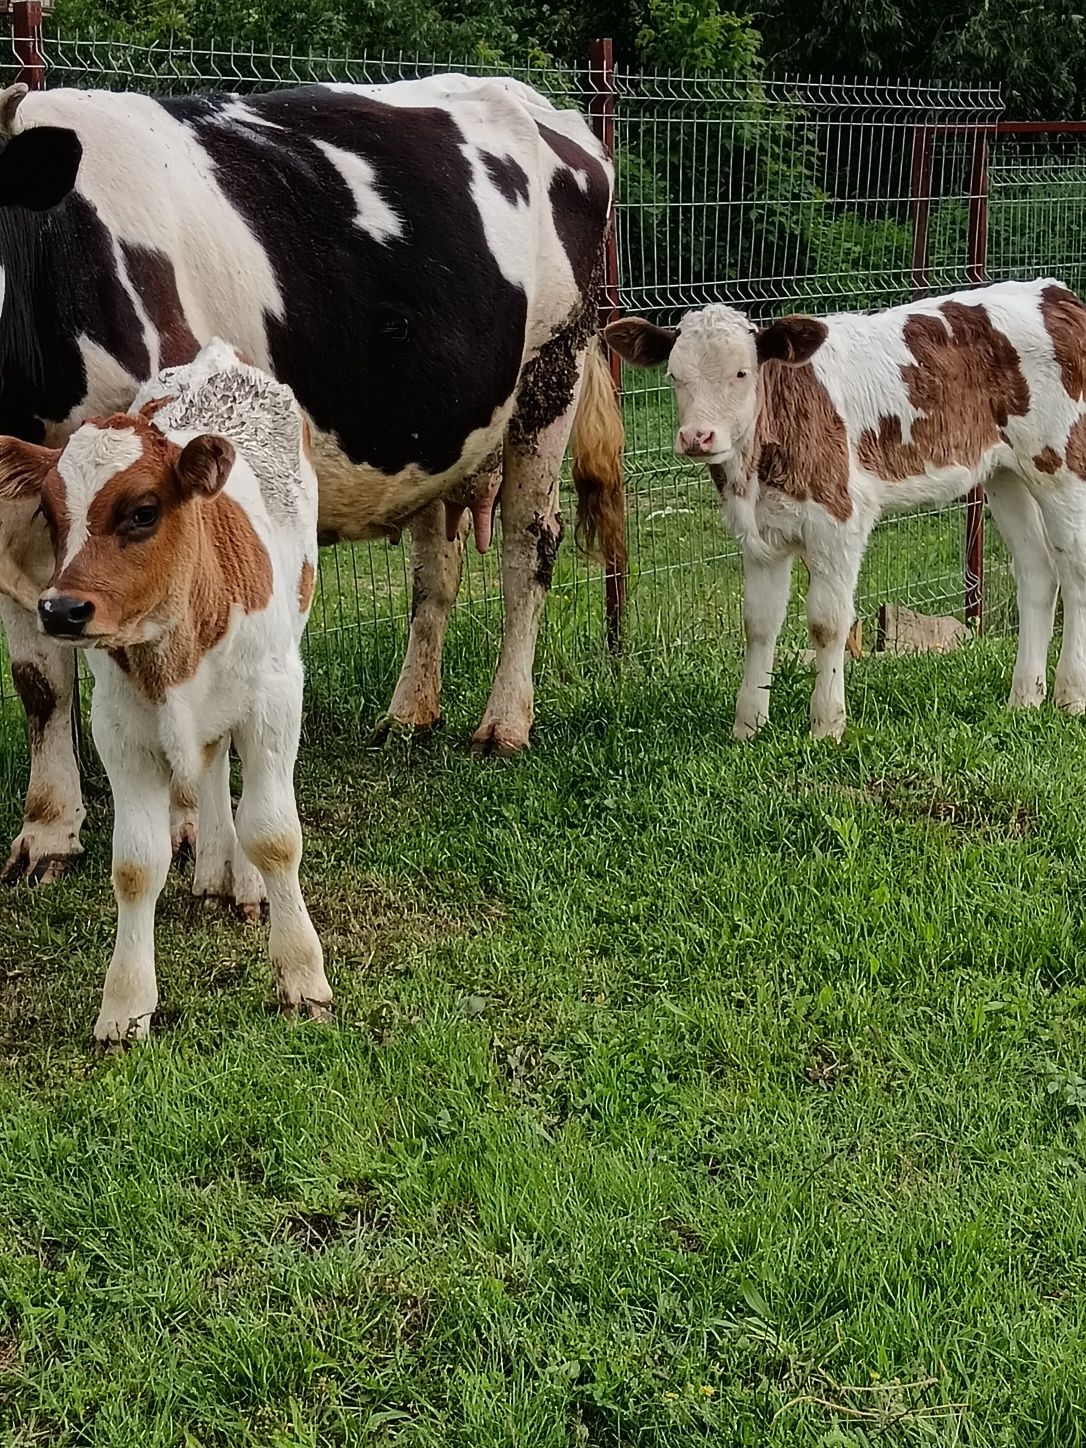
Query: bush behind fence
x: 774, y: 195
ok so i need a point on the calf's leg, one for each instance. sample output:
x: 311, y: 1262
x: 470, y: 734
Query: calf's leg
x: 223, y: 870
x: 830, y: 613
x: 1063, y: 507
x: 435, y: 579
x: 271, y: 836
x: 1021, y: 526
x: 44, y: 676
x: 766, y: 586
x: 140, y: 782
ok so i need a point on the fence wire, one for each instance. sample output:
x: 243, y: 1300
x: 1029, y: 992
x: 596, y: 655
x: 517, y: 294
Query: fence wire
x: 790, y: 194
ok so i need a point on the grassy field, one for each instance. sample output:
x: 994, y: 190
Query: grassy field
x: 678, y: 1093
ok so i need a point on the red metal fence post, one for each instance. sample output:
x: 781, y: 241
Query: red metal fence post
x: 977, y: 273
x: 601, y: 112
x: 26, y: 42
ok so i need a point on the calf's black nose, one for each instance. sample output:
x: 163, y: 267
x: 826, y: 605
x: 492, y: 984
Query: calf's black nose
x: 65, y: 618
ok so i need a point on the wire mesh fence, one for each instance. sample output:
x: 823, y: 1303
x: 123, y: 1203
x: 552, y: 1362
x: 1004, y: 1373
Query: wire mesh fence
x: 773, y: 195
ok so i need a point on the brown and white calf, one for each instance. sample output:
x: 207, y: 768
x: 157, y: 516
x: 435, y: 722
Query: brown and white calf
x: 185, y: 540
x: 812, y: 429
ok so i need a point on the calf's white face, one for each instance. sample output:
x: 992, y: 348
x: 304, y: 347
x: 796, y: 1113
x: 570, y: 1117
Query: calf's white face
x: 712, y: 362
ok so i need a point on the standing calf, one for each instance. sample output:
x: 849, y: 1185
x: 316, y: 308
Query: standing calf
x: 184, y: 534
x: 813, y: 429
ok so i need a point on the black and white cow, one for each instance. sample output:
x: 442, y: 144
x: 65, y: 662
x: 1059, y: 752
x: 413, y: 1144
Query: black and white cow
x: 417, y: 261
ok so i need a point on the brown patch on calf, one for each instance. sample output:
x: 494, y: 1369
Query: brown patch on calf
x: 307, y: 440
x: 274, y: 854
x: 1048, y: 460
x: 305, y: 586
x: 210, y: 749
x: 151, y: 273
x: 38, y: 697
x: 1076, y: 447
x: 130, y: 881
x: 800, y: 444
x: 966, y: 382
x: 182, y: 796
x: 1064, y: 317
x: 42, y: 808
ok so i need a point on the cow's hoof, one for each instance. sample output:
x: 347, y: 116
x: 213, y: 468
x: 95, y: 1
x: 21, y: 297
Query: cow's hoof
x: 37, y: 866
x: 389, y: 727
x: 491, y: 741
x: 745, y: 729
x: 1073, y: 704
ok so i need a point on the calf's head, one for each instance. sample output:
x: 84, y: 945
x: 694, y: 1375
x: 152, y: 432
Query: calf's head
x: 712, y: 362
x: 122, y: 504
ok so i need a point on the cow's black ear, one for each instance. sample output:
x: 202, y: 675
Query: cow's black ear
x: 38, y: 167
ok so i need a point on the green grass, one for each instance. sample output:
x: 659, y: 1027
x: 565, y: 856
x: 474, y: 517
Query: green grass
x: 677, y: 1089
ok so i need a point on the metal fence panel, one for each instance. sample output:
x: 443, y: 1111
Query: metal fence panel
x: 774, y: 195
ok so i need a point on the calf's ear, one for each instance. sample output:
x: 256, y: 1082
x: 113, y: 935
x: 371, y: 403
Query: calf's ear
x: 38, y: 167
x: 24, y: 467
x: 639, y: 342
x: 791, y: 339
x: 204, y: 465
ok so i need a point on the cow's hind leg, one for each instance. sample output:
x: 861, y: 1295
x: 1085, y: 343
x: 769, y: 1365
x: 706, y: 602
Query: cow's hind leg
x: 1063, y: 506
x: 531, y: 533
x: 435, y: 579
x: 44, y: 677
x: 1022, y: 528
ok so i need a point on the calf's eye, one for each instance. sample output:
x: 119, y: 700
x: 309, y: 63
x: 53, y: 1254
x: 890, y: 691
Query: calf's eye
x: 145, y: 516
x: 742, y: 374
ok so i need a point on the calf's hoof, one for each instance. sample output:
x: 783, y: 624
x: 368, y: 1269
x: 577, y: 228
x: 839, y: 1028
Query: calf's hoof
x: 1069, y: 703
x: 831, y: 729
x: 747, y: 728
x: 117, y: 1026
x: 495, y: 741
x: 390, y: 726
x: 38, y: 861
x: 1028, y: 696
x: 319, y: 1011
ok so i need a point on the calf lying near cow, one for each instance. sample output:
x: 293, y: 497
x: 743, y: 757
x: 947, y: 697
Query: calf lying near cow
x: 812, y: 429
x: 184, y: 534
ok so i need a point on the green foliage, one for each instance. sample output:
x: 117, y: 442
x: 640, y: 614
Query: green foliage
x: 696, y: 35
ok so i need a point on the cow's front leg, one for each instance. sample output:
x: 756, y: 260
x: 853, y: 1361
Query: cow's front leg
x: 271, y: 835
x: 435, y: 579
x: 44, y: 676
x: 531, y: 532
x: 140, y: 782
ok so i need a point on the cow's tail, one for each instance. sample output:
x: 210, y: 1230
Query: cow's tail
x: 597, y: 442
